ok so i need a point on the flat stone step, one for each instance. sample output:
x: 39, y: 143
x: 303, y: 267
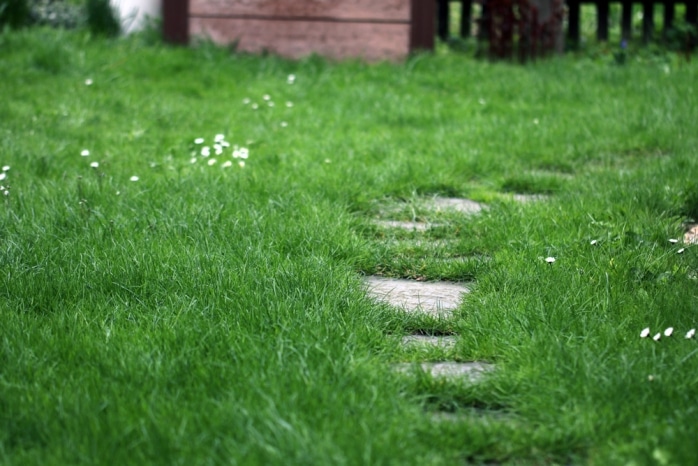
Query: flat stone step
x: 436, y: 298
x: 465, y: 206
x: 427, y: 341
x: 404, y: 225
x: 470, y: 372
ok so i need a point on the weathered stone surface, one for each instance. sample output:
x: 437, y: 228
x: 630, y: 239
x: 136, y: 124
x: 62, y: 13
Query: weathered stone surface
x: 437, y: 298
x: 427, y: 341
x: 450, y: 370
x: 411, y: 226
x: 465, y: 206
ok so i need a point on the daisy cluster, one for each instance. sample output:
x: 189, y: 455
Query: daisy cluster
x: 4, y: 190
x: 669, y: 331
x: 219, y: 148
x: 268, y: 102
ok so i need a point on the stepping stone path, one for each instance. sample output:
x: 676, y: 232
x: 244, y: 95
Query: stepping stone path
x: 434, y: 298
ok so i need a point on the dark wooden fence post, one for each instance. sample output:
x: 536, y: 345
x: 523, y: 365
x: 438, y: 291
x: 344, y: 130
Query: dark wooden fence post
x: 175, y: 21
x: 647, y: 20
x: 669, y: 14
x: 573, y: 22
x: 626, y: 20
x: 422, y: 27
x: 602, y: 20
x: 442, y: 12
x: 466, y: 17
x: 692, y: 12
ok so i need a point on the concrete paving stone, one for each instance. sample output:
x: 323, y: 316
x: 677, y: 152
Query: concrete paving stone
x: 404, y: 225
x: 465, y: 206
x: 436, y: 298
x: 426, y: 341
x: 471, y: 372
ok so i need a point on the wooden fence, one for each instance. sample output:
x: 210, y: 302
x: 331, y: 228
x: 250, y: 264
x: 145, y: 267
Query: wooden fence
x: 368, y: 29
x: 573, y: 8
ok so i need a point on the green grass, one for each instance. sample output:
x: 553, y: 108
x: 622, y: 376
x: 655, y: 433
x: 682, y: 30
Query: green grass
x: 210, y: 315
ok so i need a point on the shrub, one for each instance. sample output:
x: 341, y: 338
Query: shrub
x: 56, y: 13
x: 102, y: 18
x: 14, y: 13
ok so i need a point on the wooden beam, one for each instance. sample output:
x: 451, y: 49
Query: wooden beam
x: 573, y: 20
x: 647, y: 20
x: 602, y: 9
x: 466, y: 17
x: 175, y: 21
x: 422, y: 26
x: 626, y: 20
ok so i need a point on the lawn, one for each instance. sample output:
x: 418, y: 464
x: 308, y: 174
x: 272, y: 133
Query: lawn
x: 160, y: 306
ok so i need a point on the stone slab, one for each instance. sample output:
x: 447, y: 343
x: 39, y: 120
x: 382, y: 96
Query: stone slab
x: 436, y: 298
x: 450, y: 370
x: 465, y: 206
x: 430, y: 341
x: 404, y: 225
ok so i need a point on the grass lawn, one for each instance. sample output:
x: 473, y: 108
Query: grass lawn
x: 161, y: 308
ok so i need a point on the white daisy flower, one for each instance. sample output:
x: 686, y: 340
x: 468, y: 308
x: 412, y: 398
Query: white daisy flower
x: 3, y: 175
x: 690, y: 333
x: 241, y: 163
x: 134, y: 178
x: 673, y: 240
x: 227, y: 164
x: 680, y: 251
x: 94, y: 164
x: 549, y: 260
x: 85, y: 153
x: 199, y: 141
x: 668, y: 331
x: 289, y: 104
x: 657, y: 337
x: 219, y: 138
x: 5, y: 168
x: 645, y: 332
x: 291, y: 78
x: 88, y: 82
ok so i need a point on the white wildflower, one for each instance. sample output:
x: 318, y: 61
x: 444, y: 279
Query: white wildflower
x: 289, y: 104
x: 668, y: 331
x: 218, y: 138
x: 673, y: 240
x: 690, y: 333
x: 680, y: 251
x: 657, y: 337
x: 227, y: 164
x: 88, y: 82
x: 205, y: 151
x: 199, y: 141
x: 85, y: 153
x: 3, y: 175
x: 5, y: 168
x: 549, y: 260
x: 645, y: 332
x: 134, y: 178
x: 94, y: 164
x: 241, y: 163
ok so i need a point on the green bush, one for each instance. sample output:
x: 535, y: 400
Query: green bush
x: 102, y: 18
x: 14, y: 13
x: 57, y: 13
